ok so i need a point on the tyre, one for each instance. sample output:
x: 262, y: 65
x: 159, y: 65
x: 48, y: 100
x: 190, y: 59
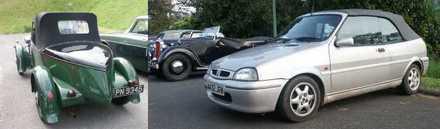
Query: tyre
x: 300, y: 99
x: 176, y: 67
x: 411, y: 80
x: 120, y: 101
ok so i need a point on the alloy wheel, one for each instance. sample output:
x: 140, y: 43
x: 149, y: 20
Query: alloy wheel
x: 414, y: 79
x: 303, y: 99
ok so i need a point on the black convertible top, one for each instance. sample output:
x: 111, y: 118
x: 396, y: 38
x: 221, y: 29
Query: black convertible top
x: 47, y: 32
x: 405, y: 30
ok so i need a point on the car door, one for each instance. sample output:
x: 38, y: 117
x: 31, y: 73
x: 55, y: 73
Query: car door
x: 366, y: 62
x: 401, y: 51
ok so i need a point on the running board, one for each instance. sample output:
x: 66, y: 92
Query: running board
x: 202, y: 68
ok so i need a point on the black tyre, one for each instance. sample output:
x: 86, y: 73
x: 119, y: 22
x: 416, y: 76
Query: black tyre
x: 411, y: 80
x: 300, y: 99
x: 120, y: 101
x: 176, y: 67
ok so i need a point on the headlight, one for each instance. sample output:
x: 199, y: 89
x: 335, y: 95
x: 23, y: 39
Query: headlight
x: 246, y: 74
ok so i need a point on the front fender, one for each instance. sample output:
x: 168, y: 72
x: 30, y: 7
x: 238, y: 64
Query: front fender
x: 41, y: 83
x: 23, y: 57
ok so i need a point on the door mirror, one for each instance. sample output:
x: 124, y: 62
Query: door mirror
x: 345, y: 42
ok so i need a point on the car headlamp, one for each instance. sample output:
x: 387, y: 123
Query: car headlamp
x: 246, y: 74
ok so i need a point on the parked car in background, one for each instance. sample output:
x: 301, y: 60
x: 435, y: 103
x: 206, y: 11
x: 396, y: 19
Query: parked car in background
x: 192, y: 51
x: 174, y: 37
x: 132, y: 44
x: 70, y: 65
x: 323, y: 57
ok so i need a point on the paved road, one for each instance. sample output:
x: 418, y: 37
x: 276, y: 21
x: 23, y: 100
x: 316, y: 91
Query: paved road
x: 18, y: 111
x: 184, y: 105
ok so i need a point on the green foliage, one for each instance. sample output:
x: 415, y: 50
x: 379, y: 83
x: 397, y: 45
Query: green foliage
x: 17, y: 15
x: 161, y: 15
x: 244, y: 18
x: 184, y: 23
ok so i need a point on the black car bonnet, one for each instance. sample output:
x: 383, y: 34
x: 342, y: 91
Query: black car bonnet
x: 47, y: 32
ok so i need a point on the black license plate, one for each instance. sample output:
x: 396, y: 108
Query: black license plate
x: 126, y: 91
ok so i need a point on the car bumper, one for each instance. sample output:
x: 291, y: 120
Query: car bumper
x: 425, y: 61
x: 249, y: 97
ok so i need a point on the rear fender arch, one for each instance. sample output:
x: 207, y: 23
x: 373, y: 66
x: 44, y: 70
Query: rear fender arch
x: 414, y: 60
x: 41, y: 83
x: 125, y: 68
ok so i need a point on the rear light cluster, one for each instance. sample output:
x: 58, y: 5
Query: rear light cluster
x: 157, y: 49
x: 50, y: 96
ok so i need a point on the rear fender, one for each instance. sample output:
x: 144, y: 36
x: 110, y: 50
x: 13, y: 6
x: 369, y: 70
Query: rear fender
x: 125, y: 68
x: 41, y: 83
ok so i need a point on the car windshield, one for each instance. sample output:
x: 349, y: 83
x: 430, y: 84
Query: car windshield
x: 140, y: 27
x: 170, y: 35
x: 313, y: 28
x: 210, y: 32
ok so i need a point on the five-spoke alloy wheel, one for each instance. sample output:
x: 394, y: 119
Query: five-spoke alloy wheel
x: 411, y: 80
x: 300, y: 99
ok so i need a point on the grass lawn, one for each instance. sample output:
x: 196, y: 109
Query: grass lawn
x: 16, y: 15
x: 431, y: 80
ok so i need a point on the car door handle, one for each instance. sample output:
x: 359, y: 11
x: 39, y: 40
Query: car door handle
x: 380, y: 50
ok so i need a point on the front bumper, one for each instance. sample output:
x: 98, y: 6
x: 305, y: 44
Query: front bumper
x: 249, y: 97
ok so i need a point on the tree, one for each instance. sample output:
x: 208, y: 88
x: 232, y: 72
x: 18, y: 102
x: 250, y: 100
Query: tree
x: 245, y: 18
x: 160, y: 12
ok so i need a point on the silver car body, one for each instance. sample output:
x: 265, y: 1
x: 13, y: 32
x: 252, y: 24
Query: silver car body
x: 341, y: 71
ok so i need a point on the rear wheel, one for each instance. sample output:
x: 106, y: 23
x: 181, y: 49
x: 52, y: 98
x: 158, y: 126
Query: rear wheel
x: 176, y: 67
x: 300, y: 99
x: 120, y: 101
x: 411, y: 80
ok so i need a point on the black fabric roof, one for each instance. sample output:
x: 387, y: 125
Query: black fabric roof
x: 47, y: 32
x: 405, y: 30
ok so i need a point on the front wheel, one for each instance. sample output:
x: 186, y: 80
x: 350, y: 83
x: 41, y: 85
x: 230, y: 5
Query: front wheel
x: 176, y: 67
x: 300, y: 99
x: 411, y: 80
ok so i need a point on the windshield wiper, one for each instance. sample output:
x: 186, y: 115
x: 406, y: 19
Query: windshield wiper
x: 307, y: 39
x: 283, y: 40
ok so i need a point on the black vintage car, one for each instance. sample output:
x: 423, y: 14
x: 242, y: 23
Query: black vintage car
x: 178, y: 60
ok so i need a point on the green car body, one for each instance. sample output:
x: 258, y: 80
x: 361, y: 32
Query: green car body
x: 132, y: 44
x: 65, y: 70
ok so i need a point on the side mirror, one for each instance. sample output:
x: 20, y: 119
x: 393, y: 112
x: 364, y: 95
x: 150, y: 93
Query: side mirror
x: 344, y: 42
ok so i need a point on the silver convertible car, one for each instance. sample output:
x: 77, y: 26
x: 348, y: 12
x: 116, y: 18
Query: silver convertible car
x: 320, y: 58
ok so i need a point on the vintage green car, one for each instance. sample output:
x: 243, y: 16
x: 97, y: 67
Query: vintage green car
x: 70, y: 65
x: 132, y: 44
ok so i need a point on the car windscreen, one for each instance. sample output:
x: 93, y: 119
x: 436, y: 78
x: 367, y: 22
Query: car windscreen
x: 170, y: 36
x: 140, y: 27
x: 314, y: 28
